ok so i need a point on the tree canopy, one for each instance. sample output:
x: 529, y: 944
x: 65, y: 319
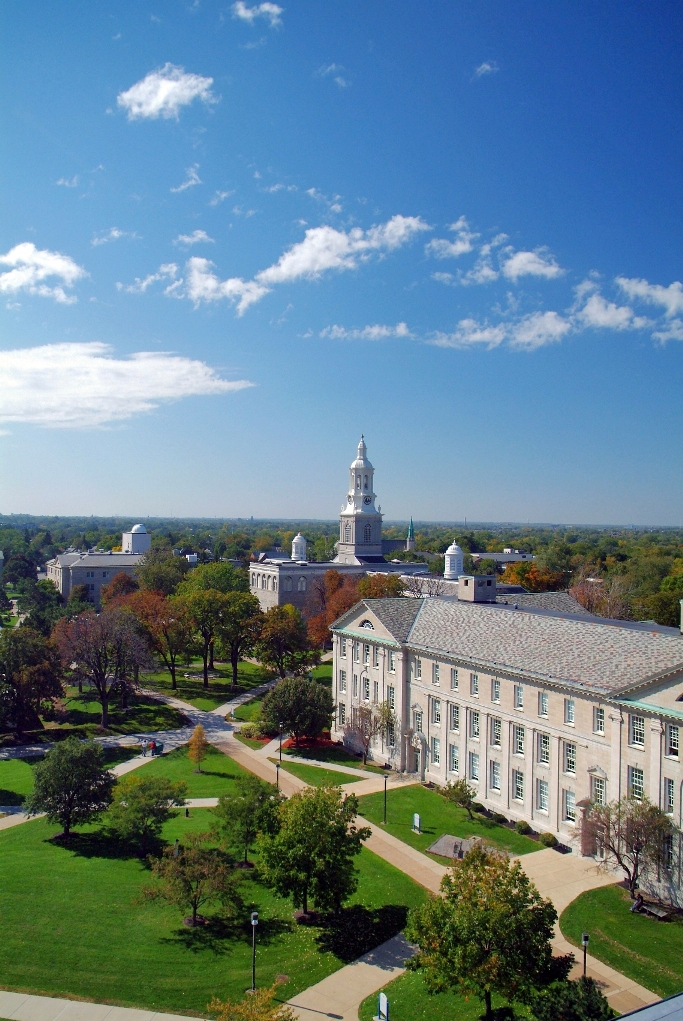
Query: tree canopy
x: 283, y: 641
x: 71, y: 785
x: 30, y: 674
x: 250, y: 809
x: 298, y: 707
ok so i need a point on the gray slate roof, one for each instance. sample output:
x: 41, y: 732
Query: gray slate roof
x: 90, y: 560
x: 596, y: 655
x: 561, y: 602
x: 397, y: 615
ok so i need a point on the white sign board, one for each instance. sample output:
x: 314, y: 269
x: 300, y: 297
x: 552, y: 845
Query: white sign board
x: 382, y: 1008
x: 416, y: 822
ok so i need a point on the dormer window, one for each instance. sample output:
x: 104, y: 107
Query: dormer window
x: 367, y: 624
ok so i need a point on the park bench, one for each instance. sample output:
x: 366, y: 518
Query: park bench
x: 655, y: 912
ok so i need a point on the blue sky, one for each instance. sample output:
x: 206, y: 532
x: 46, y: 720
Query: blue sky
x: 235, y: 236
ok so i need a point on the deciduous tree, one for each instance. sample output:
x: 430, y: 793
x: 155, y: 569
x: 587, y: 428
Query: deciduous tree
x: 240, y: 627
x: 142, y: 804
x: 283, y: 641
x: 206, y: 609
x: 193, y: 874
x: 71, y: 785
x: 250, y: 809
x: 160, y: 571
x: 368, y: 722
x: 381, y: 586
x: 490, y: 931
x: 120, y: 586
x: 565, y: 1000
x: 256, y: 1006
x: 299, y: 707
x: 168, y: 625
x: 197, y: 747
x: 459, y: 793
x: 30, y: 674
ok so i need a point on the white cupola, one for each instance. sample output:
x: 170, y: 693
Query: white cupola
x: 454, y: 562
x: 298, y: 547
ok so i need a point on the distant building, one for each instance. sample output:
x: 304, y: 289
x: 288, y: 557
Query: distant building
x: 277, y: 579
x: 97, y: 568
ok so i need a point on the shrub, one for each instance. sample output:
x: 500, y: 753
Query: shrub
x: 548, y: 840
x: 499, y: 818
x: 251, y: 730
x: 477, y: 807
x: 522, y: 826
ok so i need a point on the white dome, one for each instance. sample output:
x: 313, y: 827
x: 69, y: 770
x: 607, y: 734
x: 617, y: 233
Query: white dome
x: 138, y: 528
x: 454, y: 549
x: 297, y: 537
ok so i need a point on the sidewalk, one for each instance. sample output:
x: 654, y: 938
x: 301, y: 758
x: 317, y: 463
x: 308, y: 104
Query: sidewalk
x: 23, y: 1007
x: 229, y: 707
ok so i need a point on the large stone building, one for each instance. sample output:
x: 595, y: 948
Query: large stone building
x: 277, y: 579
x: 96, y: 568
x: 541, y: 710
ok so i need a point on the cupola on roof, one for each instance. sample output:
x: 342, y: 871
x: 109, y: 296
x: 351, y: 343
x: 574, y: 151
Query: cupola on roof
x: 454, y: 549
x: 361, y: 457
x: 138, y: 528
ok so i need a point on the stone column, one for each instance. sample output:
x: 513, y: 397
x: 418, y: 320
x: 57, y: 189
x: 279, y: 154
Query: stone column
x: 614, y: 781
x: 656, y: 731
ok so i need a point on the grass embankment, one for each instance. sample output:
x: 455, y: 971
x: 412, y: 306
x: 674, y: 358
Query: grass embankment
x: 191, y: 683
x: 437, y: 817
x: 646, y: 950
x: 317, y: 776
x: 79, y: 903
x: 410, y: 1001
x: 16, y: 775
x: 217, y: 777
x: 326, y: 751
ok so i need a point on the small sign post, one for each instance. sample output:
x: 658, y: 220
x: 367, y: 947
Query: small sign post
x: 382, y: 1008
x: 416, y: 822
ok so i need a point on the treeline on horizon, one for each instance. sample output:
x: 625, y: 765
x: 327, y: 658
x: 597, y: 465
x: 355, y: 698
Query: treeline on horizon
x: 626, y: 572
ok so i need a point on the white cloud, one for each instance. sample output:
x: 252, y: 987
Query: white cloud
x: 539, y: 263
x: 32, y: 266
x: 195, y: 238
x: 672, y: 331
x: 445, y: 278
x: 598, y: 313
x: 163, y: 92
x: 669, y: 298
x: 440, y: 248
x: 376, y: 332
x: 333, y: 204
x: 335, y: 70
x: 68, y: 182
x: 470, y: 333
x: 482, y: 272
x: 271, y: 12
x: 168, y: 271
x: 325, y: 248
x: 538, y: 330
x: 488, y: 67
x: 190, y: 181
x: 201, y: 284
x: 83, y: 386
x: 221, y: 196
x: 113, y: 234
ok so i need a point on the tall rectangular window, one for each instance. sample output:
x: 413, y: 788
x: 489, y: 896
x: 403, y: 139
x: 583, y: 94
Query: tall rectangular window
x: 569, y: 711
x: 598, y: 790
x: 518, y: 740
x: 672, y: 740
x: 599, y: 720
x: 542, y: 703
x: 392, y: 661
x: 342, y: 714
x: 366, y: 654
x: 496, y: 732
x: 474, y: 685
x: 375, y: 692
x: 542, y: 795
x: 454, y: 678
x: 636, y: 783
x: 669, y: 796
x: 455, y: 717
x: 417, y: 722
x: 375, y: 655
x: 435, y: 673
x: 342, y: 680
x: 342, y: 648
x: 544, y: 749
x: 355, y: 685
x: 436, y: 751
x: 391, y: 697
x: 569, y: 803
x: 453, y: 758
x: 474, y: 724
x: 366, y: 689
x: 418, y: 669
x: 569, y: 754
x: 495, y: 775
x: 474, y: 766
x: 436, y: 710
x: 668, y: 851
x: 517, y: 785
x: 391, y: 735
x: 495, y: 690
x: 518, y: 696
x: 356, y: 652
x: 636, y: 730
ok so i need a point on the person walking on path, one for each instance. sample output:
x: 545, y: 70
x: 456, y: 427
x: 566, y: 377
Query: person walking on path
x: 144, y: 747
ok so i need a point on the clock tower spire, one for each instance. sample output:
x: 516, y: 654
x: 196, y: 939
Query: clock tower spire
x: 360, y: 521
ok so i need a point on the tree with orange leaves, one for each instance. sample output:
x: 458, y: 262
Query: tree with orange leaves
x: 333, y: 595
x: 167, y: 624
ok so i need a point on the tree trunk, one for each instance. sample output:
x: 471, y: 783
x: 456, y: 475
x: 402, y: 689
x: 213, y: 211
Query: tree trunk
x: 305, y: 900
x: 66, y: 827
x: 211, y: 666
x: 194, y: 912
x: 205, y: 657
x: 104, y: 701
x: 172, y: 669
x: 234, y: 659
x: 488, y: 1014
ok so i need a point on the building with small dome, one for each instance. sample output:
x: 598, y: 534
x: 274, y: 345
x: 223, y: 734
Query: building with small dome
x: 98, y: 568
x: 454, y: 562
x: 138, y: 540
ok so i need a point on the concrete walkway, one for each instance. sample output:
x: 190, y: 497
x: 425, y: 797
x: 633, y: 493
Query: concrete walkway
x: 24, y: 1007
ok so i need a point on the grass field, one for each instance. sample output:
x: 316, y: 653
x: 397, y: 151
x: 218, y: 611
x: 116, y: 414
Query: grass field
x: 437, y: 816
x: 250, y: 712
x: 217, y: 777
x: 16, y: 775
x: 648, y: 951
x: 191, y: 689
x: 72, y: 924
x: 326, y: 752
x: 410, y: 1001
x: 316, y: 776
x: 144, y: 715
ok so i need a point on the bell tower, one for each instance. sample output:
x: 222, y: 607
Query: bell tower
x: 360, y: 521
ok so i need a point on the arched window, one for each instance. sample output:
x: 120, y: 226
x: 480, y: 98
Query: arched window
x: 365, y: 485
x: 357, y: 481
x: 367, y: 624
x: 263, y: 581
x: 253, y: 580
x: 367, y: 533
x: 301, y: 587
x: 274, y: 584
x: 287, y: 585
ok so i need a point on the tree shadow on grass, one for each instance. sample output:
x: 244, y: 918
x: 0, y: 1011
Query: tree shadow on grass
x: 357, y: 930
x: 104, y: 843
x: 218, y: 935
x: 11, y: 797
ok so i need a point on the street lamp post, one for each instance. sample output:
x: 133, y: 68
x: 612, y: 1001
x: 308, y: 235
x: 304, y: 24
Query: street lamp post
x: 280, y: 742
x: 386, y: 777
x: 277, y: 774
x: 584, y: 943
x: 254, y: 923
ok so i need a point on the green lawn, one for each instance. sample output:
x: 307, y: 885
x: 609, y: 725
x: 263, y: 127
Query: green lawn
x: 16, y: 775
x: 251, y: 742
x: 250, y: 712
x: 316, y: 776
x: 323, y: 674
x: 332, y: 753
x: 437, y: 816
x: 410, y: 1001
x: 648, y: 951
x: 72, y: 925
x: 143, y: 716
x: 191, y: 689
x: 217, y: 777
